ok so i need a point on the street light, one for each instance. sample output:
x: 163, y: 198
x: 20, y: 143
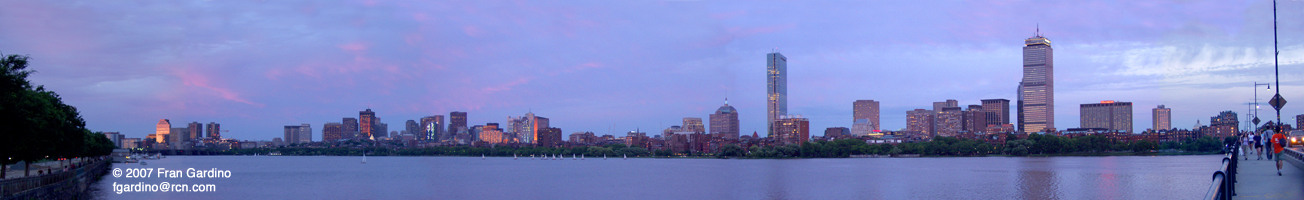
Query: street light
x: 1256, y: 98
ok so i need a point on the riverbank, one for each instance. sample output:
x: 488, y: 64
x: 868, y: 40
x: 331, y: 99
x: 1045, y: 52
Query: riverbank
x: 62, y: 184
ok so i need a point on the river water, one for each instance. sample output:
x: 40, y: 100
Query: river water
x: 327, y: 177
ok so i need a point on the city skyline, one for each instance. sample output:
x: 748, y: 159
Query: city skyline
x: 293, y: 63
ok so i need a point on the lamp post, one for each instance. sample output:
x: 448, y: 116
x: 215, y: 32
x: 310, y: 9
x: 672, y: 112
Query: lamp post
x: 1256, y: 101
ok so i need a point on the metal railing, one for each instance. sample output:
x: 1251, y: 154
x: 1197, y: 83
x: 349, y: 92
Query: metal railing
x: 10, y: 187
x: 1224, y: 180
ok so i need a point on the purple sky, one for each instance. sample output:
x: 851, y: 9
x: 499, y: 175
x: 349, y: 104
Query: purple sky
x: 606, y: 66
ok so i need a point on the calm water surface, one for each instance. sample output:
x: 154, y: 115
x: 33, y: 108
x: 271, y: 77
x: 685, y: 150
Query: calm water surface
x: 324, y: 177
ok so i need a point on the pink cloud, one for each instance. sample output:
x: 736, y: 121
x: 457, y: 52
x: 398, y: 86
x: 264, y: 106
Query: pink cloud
x: 199, y: 80
x: 506, y: 86
x: 354, y: 47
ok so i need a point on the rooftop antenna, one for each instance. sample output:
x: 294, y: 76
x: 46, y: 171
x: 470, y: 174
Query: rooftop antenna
x: 1038, y: 32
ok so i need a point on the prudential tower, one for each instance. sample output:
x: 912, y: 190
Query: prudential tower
x: 1037, y: 89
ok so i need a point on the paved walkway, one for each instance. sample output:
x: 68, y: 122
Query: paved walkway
x: 1257, y: 179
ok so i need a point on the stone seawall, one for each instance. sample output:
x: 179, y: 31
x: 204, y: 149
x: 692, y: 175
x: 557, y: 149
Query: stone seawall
x: 71, y: 184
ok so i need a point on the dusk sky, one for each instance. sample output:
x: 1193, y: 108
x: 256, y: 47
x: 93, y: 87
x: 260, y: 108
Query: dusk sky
x: 616, y: 66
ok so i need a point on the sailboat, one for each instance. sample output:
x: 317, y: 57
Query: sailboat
x: 513, y: 156
x: 364, y: 157
x: 604, y: 156
x: 624, y: 157
x: 581, y: 156
x: 572, y: 156
x: 481, y: 156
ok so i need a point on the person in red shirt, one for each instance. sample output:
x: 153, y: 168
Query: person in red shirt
x: 1277, y: 146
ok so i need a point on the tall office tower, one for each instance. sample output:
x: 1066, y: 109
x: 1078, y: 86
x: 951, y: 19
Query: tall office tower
x: 975, y: 119
x: 725, y: 121
x: 214, y: 130
x: 350, y: 128
x: 1299, y: 121
x: 1115, y: 116
x: 998, y: 111
x: 516, y: 127
x: 938, y: 106
x: 456, y: 122
x: 776, y: 88
x: 382, y: 129
x: 529, y: 130
x: 305, y: 133
x: 792, y: 129
x: 539, y: 125
x: 161, y: 131
x: 1163, y: 118
x: 412, y: 127
x: 366, y: 124
x: 920, y: 121
x: 291, y: 134
x: 866, y: 109
x: 1037, y: 89
x: 332, y: 132
x: 694, y: 124
x: 180, y: 138
x: 432, y: 128
x: 950, y: 121
x: 196, y: 130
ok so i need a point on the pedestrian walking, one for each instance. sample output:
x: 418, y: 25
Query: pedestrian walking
x: 1278, y: 144
x: 1246, y: 146
x: 1258, y: 146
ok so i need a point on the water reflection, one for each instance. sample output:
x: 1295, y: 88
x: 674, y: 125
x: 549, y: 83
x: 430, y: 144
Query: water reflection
x: 323, y: 177
x: 1037, y: 179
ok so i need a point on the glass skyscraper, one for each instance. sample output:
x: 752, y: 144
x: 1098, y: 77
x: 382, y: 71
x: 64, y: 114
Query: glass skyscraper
x: 777, y: 88
x: 1037, y: 90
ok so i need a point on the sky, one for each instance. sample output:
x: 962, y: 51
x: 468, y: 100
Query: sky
x: 610, y: 67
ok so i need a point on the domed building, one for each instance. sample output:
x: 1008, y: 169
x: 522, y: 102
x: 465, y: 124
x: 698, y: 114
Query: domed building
x: 725, y: 121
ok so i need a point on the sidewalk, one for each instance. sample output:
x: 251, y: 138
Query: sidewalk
x: 1257, y: 179
x: 48, y: 165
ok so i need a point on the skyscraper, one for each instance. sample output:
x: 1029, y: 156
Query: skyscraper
x: 291, y: 134
x: 1162, y: 118
x: 432, y: 127
x: 214, y: 130
x: 725, y: 121
x: 305, y: 133
x: 196, y: 130
x: 412, y: 127
x: 1115, y: 116
x: 998, y: 111
x: 920, y: 121
x: 332, y: 132
x: 949, y: 122
x: 866, y: 109
x: 792, y: 129
x: 366, y: 124
x: 350, y: 128
x: 1037, y: 89
x: 161, y: 130
x: 456, y: 120
x: 694, y: 124
x: 777, y: 88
